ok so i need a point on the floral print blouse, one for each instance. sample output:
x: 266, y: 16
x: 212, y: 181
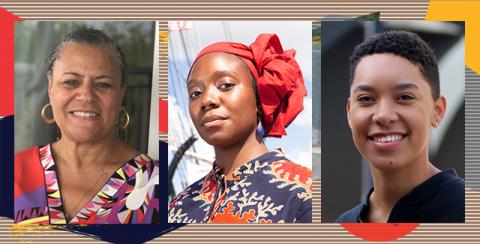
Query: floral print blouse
x: 130, y: 196
x: 268, y: 189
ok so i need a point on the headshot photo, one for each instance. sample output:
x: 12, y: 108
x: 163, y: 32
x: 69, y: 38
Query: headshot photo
x: 393, y: 122
x: 82, y: 114
x: 240, y: 122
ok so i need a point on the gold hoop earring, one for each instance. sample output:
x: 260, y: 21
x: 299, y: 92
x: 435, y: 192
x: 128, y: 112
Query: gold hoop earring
x: 44, y: 117
x: 123, y: 123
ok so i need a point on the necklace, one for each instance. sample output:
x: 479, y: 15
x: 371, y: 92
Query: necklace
x: 75, y: 209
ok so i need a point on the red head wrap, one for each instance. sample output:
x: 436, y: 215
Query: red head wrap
x: 279, y: 79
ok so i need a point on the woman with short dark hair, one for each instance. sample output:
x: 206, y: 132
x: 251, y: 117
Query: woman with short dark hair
x: 394, y: 103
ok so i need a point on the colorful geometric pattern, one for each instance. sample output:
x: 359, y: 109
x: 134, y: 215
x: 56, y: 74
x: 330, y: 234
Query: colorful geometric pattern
x: 128, y: 197
x: 268, y: 189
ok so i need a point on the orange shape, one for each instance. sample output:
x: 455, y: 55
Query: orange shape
x: 448, y: 10
x: 379, y: 231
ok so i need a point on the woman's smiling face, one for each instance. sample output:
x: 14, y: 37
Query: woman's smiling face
x: 391, y: 110
x: 222, y: 100
x: 85, y: 92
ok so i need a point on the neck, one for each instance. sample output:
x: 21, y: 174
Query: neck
x: 88, y: 155
x: 235, y: 156
x: 389, y: 187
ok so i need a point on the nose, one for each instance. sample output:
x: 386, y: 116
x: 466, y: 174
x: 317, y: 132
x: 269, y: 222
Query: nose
x: 210, y: 99
x: 385, y: 113
x: 86, y: 92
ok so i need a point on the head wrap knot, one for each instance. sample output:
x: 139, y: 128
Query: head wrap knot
x: 279, y: 79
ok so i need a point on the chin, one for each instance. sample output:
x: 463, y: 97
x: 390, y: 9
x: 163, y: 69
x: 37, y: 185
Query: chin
x: 218, y: 140
x: 387, y: 164
x: 83, y: 137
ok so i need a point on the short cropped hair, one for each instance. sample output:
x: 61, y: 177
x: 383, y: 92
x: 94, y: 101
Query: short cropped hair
x: 405, y: 44
x: 91, y: 37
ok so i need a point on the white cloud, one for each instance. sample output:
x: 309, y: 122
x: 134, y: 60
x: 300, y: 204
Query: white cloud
x: 301, y: 156
x: 305, y: 117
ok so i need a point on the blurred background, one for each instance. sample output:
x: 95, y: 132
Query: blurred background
x: 346, y: 175
x: 34, y: 43
x: 190, y: 158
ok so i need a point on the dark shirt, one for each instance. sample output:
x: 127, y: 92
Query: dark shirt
x: 440, y: 199
x: 268, y: 189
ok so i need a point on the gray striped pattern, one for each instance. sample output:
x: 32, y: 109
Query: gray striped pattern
x: 214, y: 9
x: 472, y: 129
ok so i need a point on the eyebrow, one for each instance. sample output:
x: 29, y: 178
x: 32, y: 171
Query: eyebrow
x: 72, y: 73
x: 217, y: 74
x: 403, y: 86
x: 96, y: 77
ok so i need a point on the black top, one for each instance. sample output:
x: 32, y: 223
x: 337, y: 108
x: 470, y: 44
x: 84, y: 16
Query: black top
x: 440, y: 199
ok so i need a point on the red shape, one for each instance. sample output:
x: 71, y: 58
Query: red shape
x: 28, y: 172
x: 380, y: 231
x: 163, y: 115
x: 7, y: 41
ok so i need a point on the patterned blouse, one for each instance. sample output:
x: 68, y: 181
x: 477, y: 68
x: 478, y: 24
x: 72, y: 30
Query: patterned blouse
x: 128, y: 197
x: 268, y: 189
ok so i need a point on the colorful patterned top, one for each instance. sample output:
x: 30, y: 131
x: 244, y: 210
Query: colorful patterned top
x: 129, y: 196
x: 268, y: 189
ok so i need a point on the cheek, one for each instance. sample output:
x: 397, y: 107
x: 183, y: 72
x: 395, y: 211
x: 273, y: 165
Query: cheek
x: 193, y: 111
x: 420, y: 117
x: 58, y: 101
x: 245, y: 106
x: 113, y: 101
x: 358, y: 120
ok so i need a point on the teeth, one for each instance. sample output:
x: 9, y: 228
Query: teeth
x: 388, y: 138
x: 85, y: 114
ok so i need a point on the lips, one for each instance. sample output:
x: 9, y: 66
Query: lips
x: 388, y: 138
x: 213, y: 120
x: 85, y: 114
x: 386, y: 141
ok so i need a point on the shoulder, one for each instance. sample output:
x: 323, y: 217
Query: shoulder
x: 287, y: 166
x: 350, y: 216
x: 144, y: 161
x: 440, y: 199
x: 284, y: 169
x: 291, y: 183
x: 452, y: 193
x: 280, y: 164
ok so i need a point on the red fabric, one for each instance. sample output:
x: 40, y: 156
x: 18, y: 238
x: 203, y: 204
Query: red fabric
x: 28, y: 172
x: 280, y: 81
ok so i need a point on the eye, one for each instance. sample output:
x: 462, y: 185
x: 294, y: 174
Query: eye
x: 365, y: 99
x: 103, y: 85
x: 226, y: 86
x: 71, y: 83
x: 194, y: 94
x: 406, y: 97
